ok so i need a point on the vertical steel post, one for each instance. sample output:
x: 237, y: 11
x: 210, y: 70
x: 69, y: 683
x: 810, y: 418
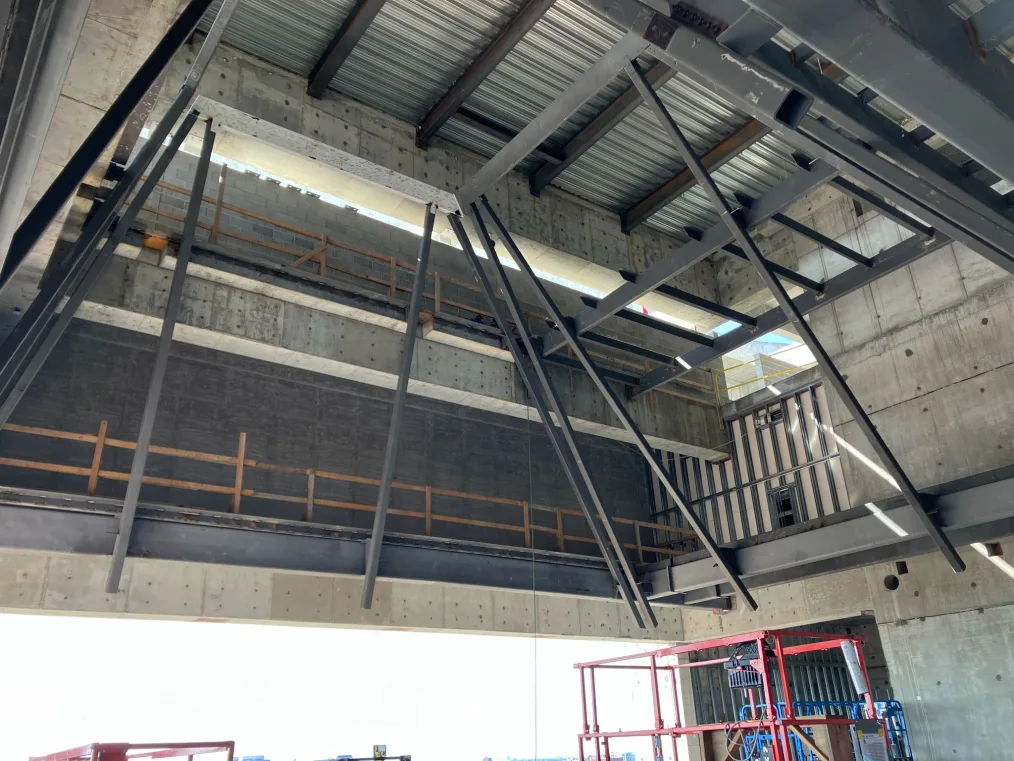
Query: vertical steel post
x: 654, y: 461
x: 67, y: 182
x: 398, y: 409
x: 533, y: 372
x: 566, y: 430
x: 172, y: 311
x: 732, y: 221
x: 16, y: 382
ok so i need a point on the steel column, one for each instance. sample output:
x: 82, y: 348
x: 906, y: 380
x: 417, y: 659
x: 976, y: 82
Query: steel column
x: 172, y: 312
x: 834, y: 378
x: 540, y: 387
x: 527, y: 16
x: 70, y: 177
x: 686, y: 255
x: 24, y: 340
x: 15, y: 386
x: 342, y: 44
x: 592, y: 81
x: 398, y: 408
x: 26, y: 42
x: 619, y: 410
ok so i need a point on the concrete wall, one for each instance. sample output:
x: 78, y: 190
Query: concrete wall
x: 55, y: 583
x: 925, y: 349
x: 304, y: 420
x: 115, y: 38
x: 306, y: 140
x: 287, y: 206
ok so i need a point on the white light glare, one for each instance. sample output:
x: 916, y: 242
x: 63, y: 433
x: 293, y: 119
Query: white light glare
x: 996, y: 560
x: 774, y: 390
x: 883, y: 518
x: 686, y: 365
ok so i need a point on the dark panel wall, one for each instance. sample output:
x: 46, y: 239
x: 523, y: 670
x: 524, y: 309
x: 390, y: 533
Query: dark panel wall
x: 304, y: 420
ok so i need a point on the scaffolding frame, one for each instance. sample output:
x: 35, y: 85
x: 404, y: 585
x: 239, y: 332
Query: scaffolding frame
x: 767, y: 714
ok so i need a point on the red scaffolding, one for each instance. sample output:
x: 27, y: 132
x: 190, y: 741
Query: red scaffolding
x: 128, y: 751
x: 768, y: 662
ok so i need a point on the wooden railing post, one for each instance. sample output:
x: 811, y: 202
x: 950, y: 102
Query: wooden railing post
x: 217, y: 223
x: 240, y: 458
x: 394, y: 278
x: 559, y: 531
x: 100, y: 443
x: 637, y: 539
x: 528, y: 527
x: 323, y: 254
x: 429, y: 511
x: 308, y: 512
x: 436, y: 293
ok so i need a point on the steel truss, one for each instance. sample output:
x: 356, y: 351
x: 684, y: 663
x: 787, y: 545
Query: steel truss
x: 918, y: 191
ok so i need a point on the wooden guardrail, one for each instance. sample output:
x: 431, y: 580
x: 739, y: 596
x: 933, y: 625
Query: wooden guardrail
x: 310, y: 502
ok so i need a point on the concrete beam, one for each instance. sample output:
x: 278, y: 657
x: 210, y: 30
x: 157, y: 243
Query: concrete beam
x: 54, y: 582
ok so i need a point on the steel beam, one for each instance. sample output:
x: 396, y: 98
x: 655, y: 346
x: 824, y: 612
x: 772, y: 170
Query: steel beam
x: 70, y: 177
x: 723, y: 152
x: 561, y: 434
x: 992, y: 26
x: 17, y: 383
x: 650, y: 322
x: 398, y: 408
x: 780, y: 270
x: 861, y: 194
x: 708, y: 306
x: 527, y: 16
x: 629, y: 348
x: 652, y: 457
x: 915, y: 55
x: 981, y: 510
x: 618, y: 109
x: 822, y: 240
x: 892, y: 259
x: 686, y: 255
x: 827, y: 366
x: 586, y: 86
x: 67, y: 523
x: 172, y: 312
x: 956, y: 211
x: 342, y: 44
x: 489, y: 127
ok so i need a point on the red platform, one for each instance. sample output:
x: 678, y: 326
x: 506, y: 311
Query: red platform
x: 125, y: 751
x: 765, y: 718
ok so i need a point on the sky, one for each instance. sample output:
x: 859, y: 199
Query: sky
x: 298, y: 692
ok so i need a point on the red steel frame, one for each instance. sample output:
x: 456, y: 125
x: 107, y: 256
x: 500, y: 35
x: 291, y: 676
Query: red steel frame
x: 127, y: 751
x: 765, y: 715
